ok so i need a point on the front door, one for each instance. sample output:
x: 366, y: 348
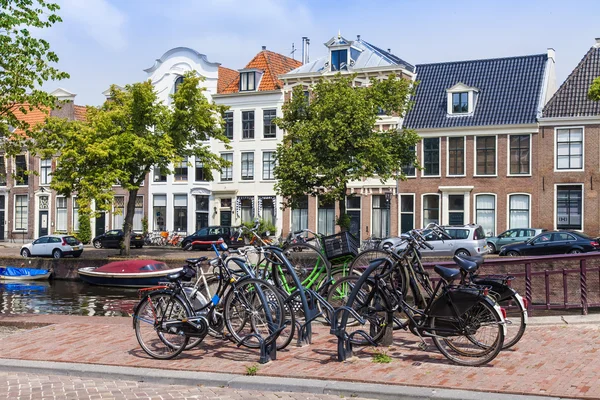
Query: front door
x: 100, y: 224
x: 354, y: 223
x: 225, y: 218
x: 43, y: 228
x: 1, y: 223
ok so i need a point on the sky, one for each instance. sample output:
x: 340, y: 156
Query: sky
x: 101, y: 42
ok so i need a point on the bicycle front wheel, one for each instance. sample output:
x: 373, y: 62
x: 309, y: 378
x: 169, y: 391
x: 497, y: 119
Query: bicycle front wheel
x: 309, y: 265
x: 150, y: 317
x: 516, y: 320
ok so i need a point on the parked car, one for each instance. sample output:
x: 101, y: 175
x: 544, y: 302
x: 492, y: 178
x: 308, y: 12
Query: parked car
x: 231, y: 235
x: 113, y: 239
x: 56, y: 246
x: 511, y: 236
x: 461, y: 240
x: 559, y: 242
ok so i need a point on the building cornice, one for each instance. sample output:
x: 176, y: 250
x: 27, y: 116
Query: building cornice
x: 174, y: 50
x: 551, y: 121
x: 246, y: 94
x: 479, y: 130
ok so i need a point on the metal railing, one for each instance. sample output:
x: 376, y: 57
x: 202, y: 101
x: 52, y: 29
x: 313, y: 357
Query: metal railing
x: 577, y: 287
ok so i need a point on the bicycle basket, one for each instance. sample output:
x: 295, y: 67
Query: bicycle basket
x: 339, y: 245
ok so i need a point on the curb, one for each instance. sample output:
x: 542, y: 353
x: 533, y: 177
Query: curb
x: 266, y: 383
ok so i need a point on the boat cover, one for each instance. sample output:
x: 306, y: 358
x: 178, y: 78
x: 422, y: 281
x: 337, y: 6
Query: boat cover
x: 13, y: 271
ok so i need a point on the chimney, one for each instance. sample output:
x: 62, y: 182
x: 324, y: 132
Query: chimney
x: 264, y: 48
x: 389, y: 50
x: 307, y: 52
x: 551, y: 53
x: 357, y: 37
x: 305, y: 44
x: 597, y: 44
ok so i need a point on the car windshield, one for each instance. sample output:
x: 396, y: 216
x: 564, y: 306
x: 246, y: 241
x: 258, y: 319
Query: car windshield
x: 71, y: 241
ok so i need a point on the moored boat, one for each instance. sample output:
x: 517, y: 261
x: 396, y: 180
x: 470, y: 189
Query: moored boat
x: 128, y: 273
x: 23, y: 274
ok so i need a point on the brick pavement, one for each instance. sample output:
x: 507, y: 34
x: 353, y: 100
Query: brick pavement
x: 40, y: 386
x: 550, y: 360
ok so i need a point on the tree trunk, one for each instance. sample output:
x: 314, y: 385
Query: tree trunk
x: 128, y: 225
x: 342, y: 206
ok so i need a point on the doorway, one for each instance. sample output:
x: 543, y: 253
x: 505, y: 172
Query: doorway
x: 43, y: 228
x: 100, y: 224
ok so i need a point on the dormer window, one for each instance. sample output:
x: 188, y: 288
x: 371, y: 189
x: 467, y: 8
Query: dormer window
x: 460, y: 102
x: 339, y: 60
x: 247, y: 81
x: 178, y: 82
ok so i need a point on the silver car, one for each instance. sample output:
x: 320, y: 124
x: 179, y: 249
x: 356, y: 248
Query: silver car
x: 461, y: 240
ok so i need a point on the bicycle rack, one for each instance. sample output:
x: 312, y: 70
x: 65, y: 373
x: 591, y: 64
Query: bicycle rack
x: 345, y: 340
x: 268, y: 351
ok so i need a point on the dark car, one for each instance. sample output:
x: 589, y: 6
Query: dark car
x: 231, y: 236
x: 114, y: 238
x: 546, y: 243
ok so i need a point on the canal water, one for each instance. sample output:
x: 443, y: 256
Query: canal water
x: 66, y: 297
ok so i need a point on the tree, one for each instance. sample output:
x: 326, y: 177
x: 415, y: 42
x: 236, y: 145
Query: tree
x: 331, y: 139
x: 122, y: 140
x: 25, y: 61
x: 594, y: 92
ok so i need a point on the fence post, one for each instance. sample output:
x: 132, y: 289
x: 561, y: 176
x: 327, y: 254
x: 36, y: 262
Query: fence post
x: 583, y: 284
x: 528, y: 285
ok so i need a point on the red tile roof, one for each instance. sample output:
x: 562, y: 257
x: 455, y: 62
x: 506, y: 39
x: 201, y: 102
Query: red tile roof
x: 272, y: 64
x: 226, y: 76
x: 32, y: 117
x: 80, y: 112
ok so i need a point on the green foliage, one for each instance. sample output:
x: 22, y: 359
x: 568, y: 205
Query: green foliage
x: 145, y: 225
x: 381, y: 357
x: 251, y: 370
x: 331, y: 140
x: 263, y: 227
x: 25, y: 62
x: 594, y: 91
x: 85, y: 228
x: 124, y: 138
x: 343, y: 221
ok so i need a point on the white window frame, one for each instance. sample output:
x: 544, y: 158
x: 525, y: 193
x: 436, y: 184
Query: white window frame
x: 439, y: 175
x: 400, y: 212
x: 555, y: 139
x: 474, y: 216
x: 263, y: 124
x: 75, y: 222
x: 253, y: 165
x: 262, y: 166
x: 230, y: 168
x: 554, y: 206
x: 15, y: 214
x: 508, y: 209
x: 57, y: 229
x: 475, y: 156
x: 417, y: 160
x: 423, y: 209
x: 448, y: 157
x: 122, y: 215
x: 508, y: 154
x: 49, y: 176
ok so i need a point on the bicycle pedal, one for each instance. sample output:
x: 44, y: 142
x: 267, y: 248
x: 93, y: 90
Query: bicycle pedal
x: 423, y: 346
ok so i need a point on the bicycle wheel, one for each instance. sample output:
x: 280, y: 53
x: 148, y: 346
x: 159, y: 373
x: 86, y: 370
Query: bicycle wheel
x: 362, y: 260
x: 215, y: 319
x: 481, y: 341
x: 516, y: 320
x: 306, y: 259
x: 253, y: 307
x: 155, y: 340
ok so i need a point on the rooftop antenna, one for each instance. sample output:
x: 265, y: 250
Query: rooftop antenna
x: 292, y: 53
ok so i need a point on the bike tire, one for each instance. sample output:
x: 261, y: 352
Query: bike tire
x: 516, y: 321
x: 207, y: 291
x: 154, y: 340
x: 304, y: 258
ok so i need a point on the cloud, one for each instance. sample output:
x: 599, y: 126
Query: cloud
x: 99, y: 19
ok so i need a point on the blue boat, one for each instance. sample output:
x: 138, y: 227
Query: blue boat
x: 23, y: 274
x: 129, y: 273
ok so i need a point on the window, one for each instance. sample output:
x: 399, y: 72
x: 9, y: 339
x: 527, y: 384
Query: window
x: 543, y: 238
x: 138, y: 214
x: 247, y: 209
x: 569, y: 207
x: 456, y: 209
x: 247, y: 166
x: 178, y: 82
x: 159, y: 176
x: 407, y: 212
x: 247, y: 124
x: 268, y: 165
x: 353, y: 211
x: 159, y: 211
x: 2, y: 171
x: 460, y: 102
x: 569, y: 148
x: 118, y: 212
x: 181, y: 170
x: 270, y: 129
x: 180, y: 212
x: 202, y: 211
x: 518, y: 211
x: 326, y: 218
x: 268, y: 210
x: 229, y: 124
x: 339, y: 60
x: 456, y: 156
x: 45, y: 170
x: 431, y: 156
x: 431, y: 209
x: 562, y: 236
x: 247, y: 81
x: 519, y: 154
x: 21, y: 171
x: 485, y: 213
x: 409, y: 170
x: 459, y: 234
x: 227, y: 172
x: 201, y: 173
x: 75, y: 215
x: 21, y: 212
x: 300, y: 215
x: 381, y: 217
x: 61, y: 214
x: 485, y: 155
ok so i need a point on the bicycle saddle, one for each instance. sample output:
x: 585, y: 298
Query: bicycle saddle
x: 175, y: 275
x: 447, y: 274
x: 466, y: 264
x: 476, y: 259
x: 196, y: 260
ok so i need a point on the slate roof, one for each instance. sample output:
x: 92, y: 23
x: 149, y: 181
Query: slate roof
x: 509, y: 92
x: 370, y: 56
x: 226, y: 76
x: 272, y: 64
x: 570, y: 100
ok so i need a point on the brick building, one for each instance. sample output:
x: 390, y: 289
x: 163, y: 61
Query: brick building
x: 480, y: 143
x: 569, y: 140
